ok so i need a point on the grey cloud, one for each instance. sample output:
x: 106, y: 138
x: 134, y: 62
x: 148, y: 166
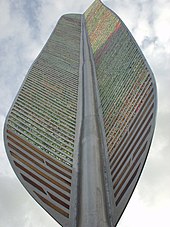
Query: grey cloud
x: 18, y: 209
x: 28, y: 11
x: 9, y: 202
x: 18, y: 49
x: 147, y: 41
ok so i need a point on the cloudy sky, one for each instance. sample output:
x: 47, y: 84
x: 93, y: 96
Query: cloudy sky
x: 24, y: 28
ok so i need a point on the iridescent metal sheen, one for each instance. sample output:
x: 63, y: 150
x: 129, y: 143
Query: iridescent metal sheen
x: 80, y: 128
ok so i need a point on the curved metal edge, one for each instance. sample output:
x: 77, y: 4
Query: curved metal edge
x: 76, y: 167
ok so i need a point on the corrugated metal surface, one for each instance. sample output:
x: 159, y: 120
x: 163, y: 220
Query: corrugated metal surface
x: 127, y: 99
x: 80, y: 128
x: 40, y: 127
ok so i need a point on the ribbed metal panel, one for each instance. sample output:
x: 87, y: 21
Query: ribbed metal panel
x: 80, y: 128
x: 41, y: 125
x: 127, y: 100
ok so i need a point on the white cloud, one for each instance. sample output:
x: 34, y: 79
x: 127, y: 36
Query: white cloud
x: 144, y: 215
x: 162, y: 21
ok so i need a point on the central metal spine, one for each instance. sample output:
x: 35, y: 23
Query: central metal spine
x: 92, y: 201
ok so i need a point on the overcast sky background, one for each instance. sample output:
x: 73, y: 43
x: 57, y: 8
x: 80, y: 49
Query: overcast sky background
x: 25, y: 26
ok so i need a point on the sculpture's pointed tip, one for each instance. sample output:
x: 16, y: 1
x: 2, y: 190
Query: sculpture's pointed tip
x: 95, y: 2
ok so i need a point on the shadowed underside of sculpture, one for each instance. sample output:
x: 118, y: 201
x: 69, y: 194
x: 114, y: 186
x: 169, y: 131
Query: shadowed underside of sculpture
x: 80, y: 128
